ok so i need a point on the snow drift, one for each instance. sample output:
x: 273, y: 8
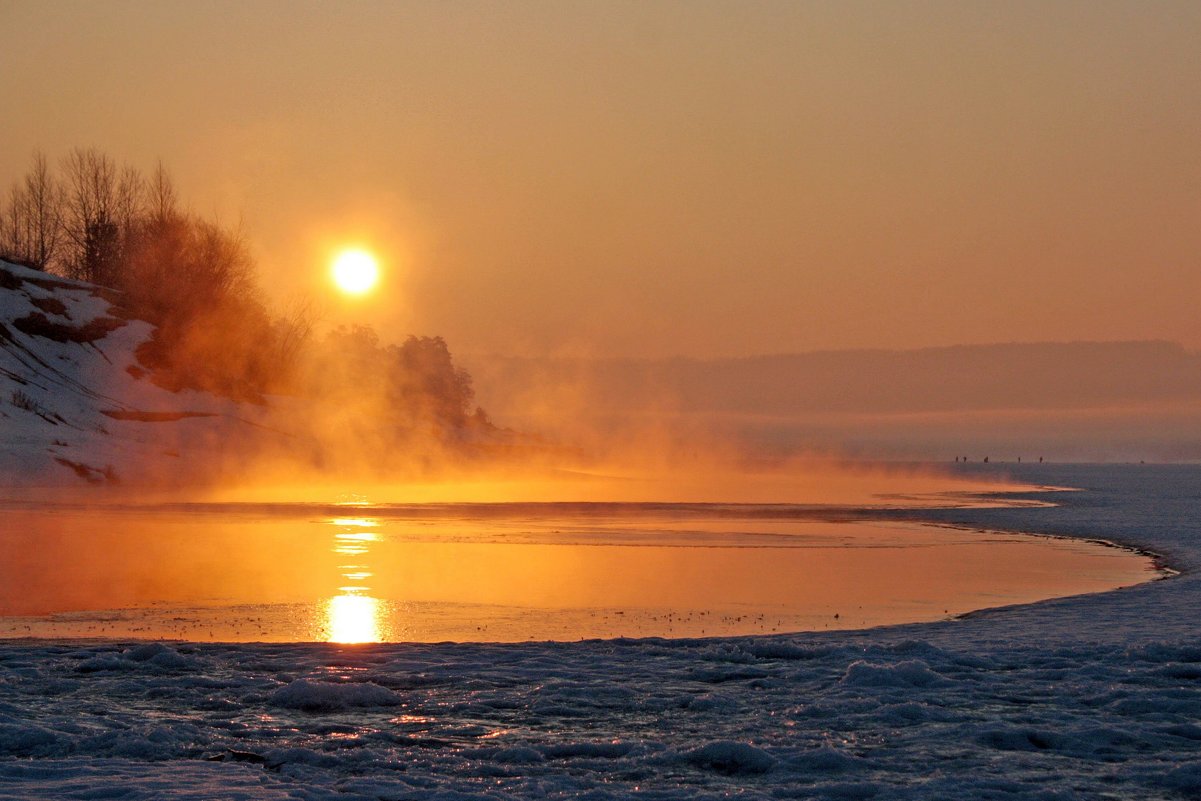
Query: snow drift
x: 75, y: 402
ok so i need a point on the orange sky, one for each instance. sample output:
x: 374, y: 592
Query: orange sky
x: 661, y: 178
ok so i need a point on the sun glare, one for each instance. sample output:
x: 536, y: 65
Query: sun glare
x: 354, y: 619
x: 355, y: 271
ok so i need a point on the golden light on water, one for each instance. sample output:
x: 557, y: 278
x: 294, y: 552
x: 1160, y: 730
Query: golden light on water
x: 355, y: 522
x: 352, y: 542
x: 355, y: 536
x: 353, y: 616
x: 355, y: 271
x: 353, y: 619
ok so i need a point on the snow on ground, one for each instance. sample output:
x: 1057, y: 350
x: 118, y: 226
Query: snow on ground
x: 75, y: 404
x: 1088, y: 697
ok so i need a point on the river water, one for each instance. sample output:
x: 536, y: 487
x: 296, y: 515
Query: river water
x: 358, y: 572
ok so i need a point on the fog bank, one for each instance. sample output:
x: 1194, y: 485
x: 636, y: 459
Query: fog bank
x: 1072, y: 401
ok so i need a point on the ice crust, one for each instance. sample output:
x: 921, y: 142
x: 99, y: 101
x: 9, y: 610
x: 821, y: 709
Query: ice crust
x: 328, y: 696
x: 1087, y: 697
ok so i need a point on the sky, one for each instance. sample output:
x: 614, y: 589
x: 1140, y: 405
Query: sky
x: 662, y: 178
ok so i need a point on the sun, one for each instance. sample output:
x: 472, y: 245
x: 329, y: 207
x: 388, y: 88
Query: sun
x: 355, y: 271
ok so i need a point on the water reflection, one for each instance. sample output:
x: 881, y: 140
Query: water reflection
x: 495, y: 575
x: 355, y: 522
x: 354, y: 616
x: 353, y: 619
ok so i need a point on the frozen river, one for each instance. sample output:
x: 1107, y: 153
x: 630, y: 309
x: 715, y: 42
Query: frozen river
x: 1091, y: 696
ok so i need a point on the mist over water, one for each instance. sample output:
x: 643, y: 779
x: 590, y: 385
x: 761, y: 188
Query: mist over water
x: 1065, y: 401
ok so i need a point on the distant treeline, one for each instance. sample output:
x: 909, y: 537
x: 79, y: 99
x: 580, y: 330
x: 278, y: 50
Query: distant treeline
x: 194, y: 279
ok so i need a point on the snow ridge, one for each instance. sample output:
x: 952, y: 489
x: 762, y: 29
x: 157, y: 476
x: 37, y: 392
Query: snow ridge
x: 74, y: 402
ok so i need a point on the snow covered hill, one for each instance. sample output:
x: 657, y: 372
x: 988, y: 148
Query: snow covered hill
x: 76, y: 405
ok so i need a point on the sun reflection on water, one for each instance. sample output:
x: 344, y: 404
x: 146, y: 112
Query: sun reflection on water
x: 354, y: 619
x: 354, y: 616
x: 355, y: 522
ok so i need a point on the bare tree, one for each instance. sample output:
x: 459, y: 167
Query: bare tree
x: 91, y: 206
x: 128, y: 200
x: 91, y: 188
x: 13, y: 226
x: 44, y: 211
x: 162, y: 203
x: 31, y: 222
x: 293, y: 331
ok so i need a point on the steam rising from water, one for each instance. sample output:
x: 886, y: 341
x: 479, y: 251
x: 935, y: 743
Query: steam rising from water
x: 347, y: 450
x: 304, y: 450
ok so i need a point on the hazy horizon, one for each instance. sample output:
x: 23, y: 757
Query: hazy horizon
x: 1077, y: 401
x: 705, y: 180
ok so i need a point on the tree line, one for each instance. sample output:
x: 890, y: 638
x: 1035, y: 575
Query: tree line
x: 79, y: 221
x: 111, y: 225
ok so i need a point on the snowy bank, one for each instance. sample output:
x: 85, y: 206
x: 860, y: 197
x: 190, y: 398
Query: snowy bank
x: 75, y: 403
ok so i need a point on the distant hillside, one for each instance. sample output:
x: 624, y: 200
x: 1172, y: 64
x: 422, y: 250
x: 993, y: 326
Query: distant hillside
x: 1077, y: 400
x: 964, y: 378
